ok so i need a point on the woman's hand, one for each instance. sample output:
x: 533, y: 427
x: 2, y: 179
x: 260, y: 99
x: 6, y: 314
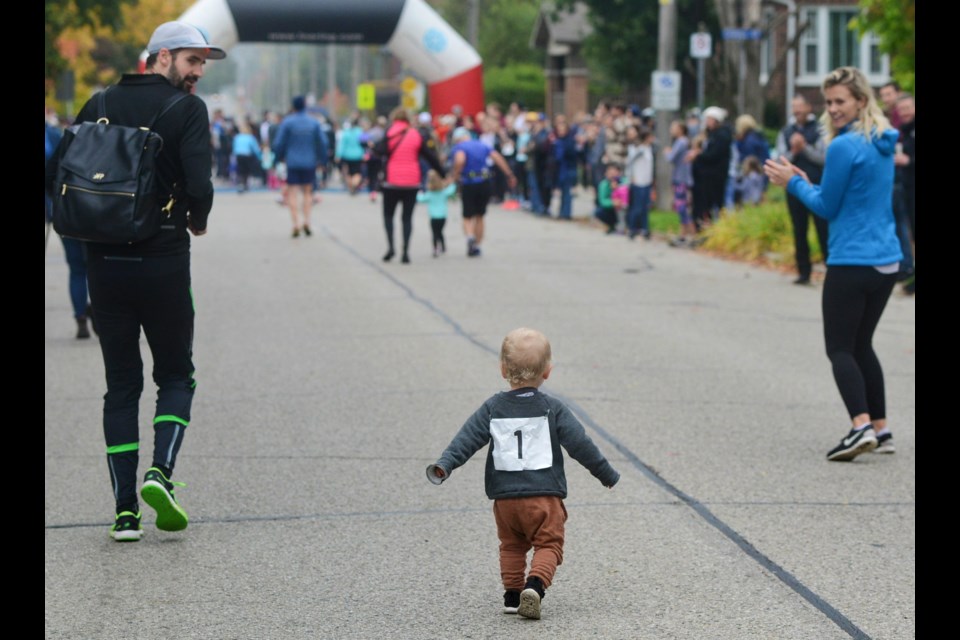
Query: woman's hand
x: 780, y: 172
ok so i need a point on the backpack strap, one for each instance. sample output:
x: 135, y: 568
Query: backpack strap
x: 166, y: 106
x: 400, y: 138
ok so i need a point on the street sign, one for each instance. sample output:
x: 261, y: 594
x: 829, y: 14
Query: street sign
x: 413, y: 93
x: 366, y: 96
x: 665, y: 90
x: 742, y: 34
x: 700, y: 45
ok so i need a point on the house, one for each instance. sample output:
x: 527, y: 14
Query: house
x: 824, y: 42
x: 560, y: 34
x: 802, y: 41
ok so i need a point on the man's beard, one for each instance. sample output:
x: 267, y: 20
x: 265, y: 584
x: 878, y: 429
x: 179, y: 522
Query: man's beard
x: 187, y: 84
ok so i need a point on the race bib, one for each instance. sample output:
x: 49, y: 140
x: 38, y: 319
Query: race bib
x: 521, y: 444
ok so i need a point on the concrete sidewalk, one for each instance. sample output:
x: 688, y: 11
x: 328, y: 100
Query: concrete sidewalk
x: 328, y: 380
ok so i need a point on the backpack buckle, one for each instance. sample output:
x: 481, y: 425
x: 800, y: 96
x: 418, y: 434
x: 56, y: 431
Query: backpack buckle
x: 168, y: 208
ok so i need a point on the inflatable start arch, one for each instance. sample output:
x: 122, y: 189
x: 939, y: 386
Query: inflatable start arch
x: 411, y: 29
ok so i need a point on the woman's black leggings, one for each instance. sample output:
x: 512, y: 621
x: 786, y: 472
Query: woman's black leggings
x: 408, y: 199
x: 853, y: 301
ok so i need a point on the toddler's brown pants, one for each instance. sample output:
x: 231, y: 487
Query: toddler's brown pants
x: 523, y: 523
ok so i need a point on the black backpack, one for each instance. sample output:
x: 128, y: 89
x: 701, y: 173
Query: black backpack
x: 107, y: 187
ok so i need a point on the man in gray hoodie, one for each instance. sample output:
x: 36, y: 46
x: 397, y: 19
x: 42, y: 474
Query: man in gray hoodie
x: 524, y: 474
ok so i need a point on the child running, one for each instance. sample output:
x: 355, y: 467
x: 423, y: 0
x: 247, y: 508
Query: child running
x: 524, y: 474
x: 436, y: 196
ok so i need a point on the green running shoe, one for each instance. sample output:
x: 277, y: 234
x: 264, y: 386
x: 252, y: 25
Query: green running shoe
x: 157, y: 491
x: 127, y: 527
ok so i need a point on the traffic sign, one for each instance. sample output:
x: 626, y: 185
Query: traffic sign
x: 700, y: 45
x: 665, y: 90
x: 742, y: 34
x: 366, y: 96
x: 413, y: 93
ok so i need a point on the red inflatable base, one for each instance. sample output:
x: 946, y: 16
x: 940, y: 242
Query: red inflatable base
x: 465, y: 90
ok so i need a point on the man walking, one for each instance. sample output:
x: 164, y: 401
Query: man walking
x: 471, y: 171
x: 146, y: 284
x: 800, y: 142
x: 300, y: 144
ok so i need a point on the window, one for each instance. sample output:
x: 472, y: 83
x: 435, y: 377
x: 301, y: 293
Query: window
x: 808, y: 48
x: 768, y: 52
x: 876, y: 58
x: 827, y: 42
x: 844, y: 43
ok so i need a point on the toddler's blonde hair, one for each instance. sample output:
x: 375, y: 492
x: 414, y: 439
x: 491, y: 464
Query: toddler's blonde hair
x: 524, y: 355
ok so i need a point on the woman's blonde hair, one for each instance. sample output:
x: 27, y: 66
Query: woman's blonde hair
x: 745, y: 123
x: 524, y: 355
x: 870, y: 120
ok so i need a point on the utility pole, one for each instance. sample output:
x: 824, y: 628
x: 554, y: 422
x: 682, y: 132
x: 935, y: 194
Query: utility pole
x: 331, y: 81
x: 473, y: 21
x: 666, y: 61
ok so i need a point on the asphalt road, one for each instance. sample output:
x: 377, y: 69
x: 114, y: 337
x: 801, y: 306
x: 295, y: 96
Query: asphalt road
x: 328, y: 380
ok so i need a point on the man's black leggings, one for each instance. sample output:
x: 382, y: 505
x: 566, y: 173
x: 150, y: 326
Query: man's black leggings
x: 128, y: 293
x: 853, y: 301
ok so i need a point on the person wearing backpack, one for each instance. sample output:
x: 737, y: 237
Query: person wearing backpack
x: 146, y: 284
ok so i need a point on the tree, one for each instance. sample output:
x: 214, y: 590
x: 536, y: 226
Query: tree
x: 97, y: 47
x: 739, y: 77
x: 894, y: 23
x: 623, y: 45
x: 504, y: 31
x: 60, y: 15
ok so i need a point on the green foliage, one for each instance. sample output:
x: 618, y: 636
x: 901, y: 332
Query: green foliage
x: 759, y: 233
x: 623, y: 45
x: 515, y: 82
x: 504, y: 33
x: 64, y: 14
x: 894, y: 22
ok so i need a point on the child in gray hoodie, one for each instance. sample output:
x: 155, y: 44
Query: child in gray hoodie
x: 524, y: 474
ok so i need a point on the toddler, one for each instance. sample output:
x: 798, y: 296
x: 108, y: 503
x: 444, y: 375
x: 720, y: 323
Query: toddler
x: 436, y: 196
x: 524, y: 471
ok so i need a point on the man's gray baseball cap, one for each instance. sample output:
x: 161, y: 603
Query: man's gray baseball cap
x: 180, y: 35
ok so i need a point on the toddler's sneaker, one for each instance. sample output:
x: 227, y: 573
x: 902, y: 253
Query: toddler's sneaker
x: 126, y: 528
x: 157, y: 491
x: 855, y: 443
x: 885, y: 444
x: 511, y: 601
x: 530, y: 598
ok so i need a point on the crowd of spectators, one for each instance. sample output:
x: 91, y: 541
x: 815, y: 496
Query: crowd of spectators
x: 715, y: 162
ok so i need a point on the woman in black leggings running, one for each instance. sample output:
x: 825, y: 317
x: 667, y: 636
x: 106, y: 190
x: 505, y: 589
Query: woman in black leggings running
x: 864, y: 253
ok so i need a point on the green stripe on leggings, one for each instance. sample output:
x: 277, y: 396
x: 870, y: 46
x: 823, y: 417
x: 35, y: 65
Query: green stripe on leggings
x: 123, y: 448
x: 171, y: 419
